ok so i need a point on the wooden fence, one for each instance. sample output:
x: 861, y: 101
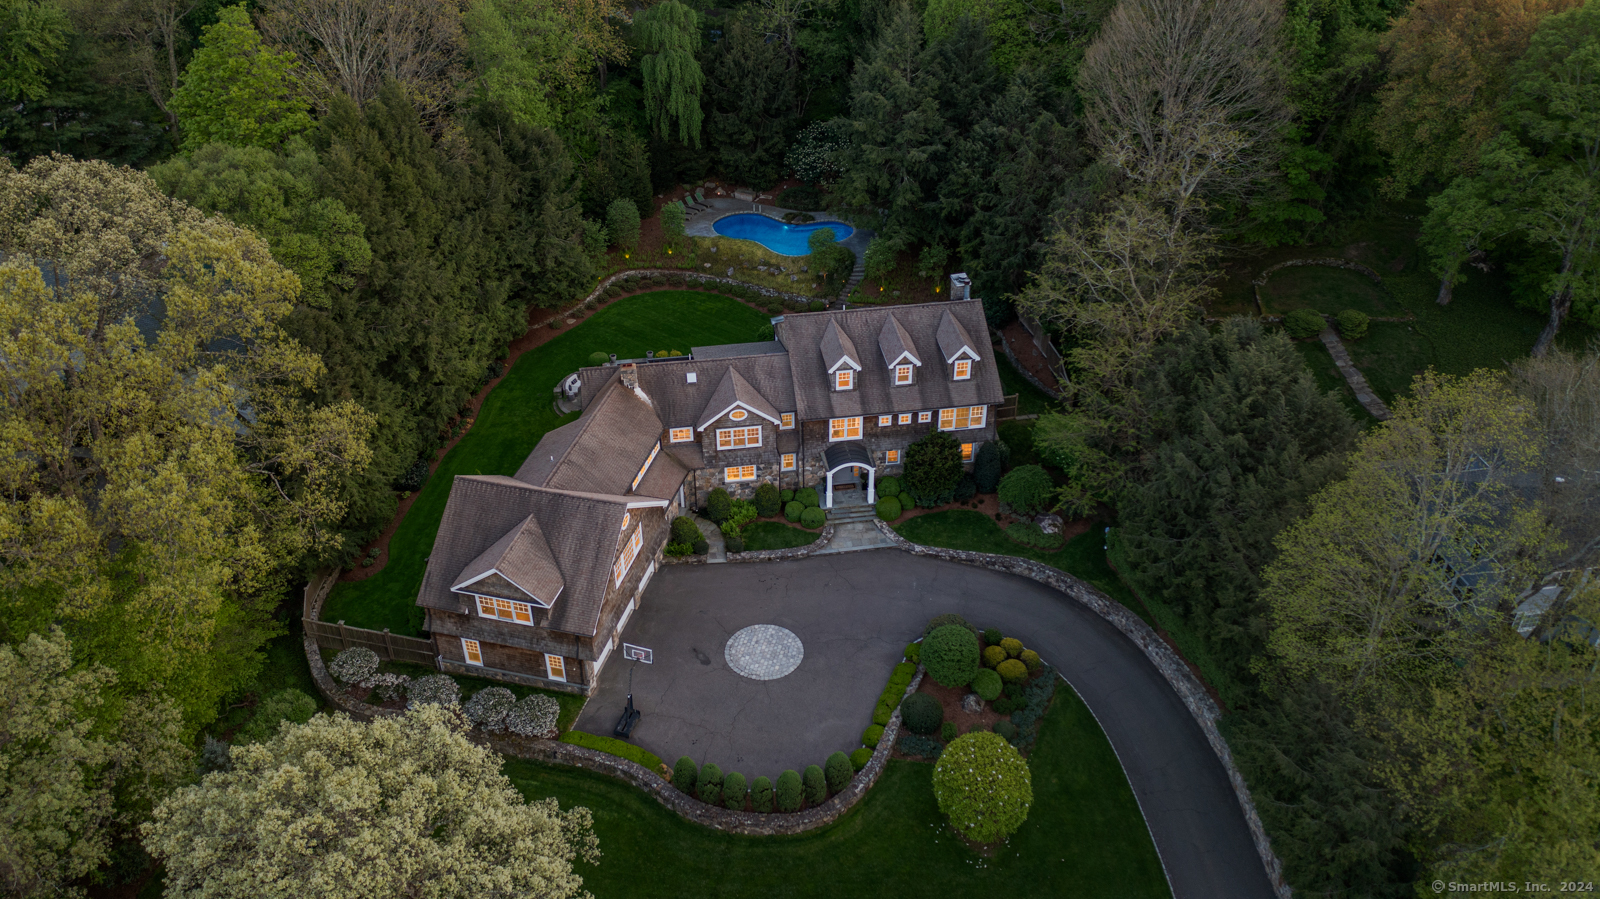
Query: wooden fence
x: 341, y: 636
x: 1007, y: 409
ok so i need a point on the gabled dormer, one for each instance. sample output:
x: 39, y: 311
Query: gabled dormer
x: 959, y: 350
x: 514, y: 577
x: 840, y: 357
x: 899, y: 353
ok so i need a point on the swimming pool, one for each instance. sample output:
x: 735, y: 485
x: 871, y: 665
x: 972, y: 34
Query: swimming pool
x: 785, y: 240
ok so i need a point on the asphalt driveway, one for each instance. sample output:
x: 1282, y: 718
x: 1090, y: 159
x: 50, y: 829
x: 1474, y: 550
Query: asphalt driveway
x: 855, y: 612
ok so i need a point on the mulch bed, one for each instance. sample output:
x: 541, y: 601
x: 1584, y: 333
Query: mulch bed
x: 950, y: 698
x: 1027, y: 353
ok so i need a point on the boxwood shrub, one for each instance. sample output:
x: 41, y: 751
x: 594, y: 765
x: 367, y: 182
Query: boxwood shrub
x: 719, y: 505
x: 872, y: 735
x: 882, y: 713
x: 921, y: 713
x: 987, y: 685
x: 939, y: 621
x: 888, y: 508
x: 889, y: 486
x: 1013, y: 671
x: 684, y: 775
x: 761, y: 794
x: 807, y: 496
x: 838, y: 771
x: 813, y: 518
x: 1031, y: 659
x: 1352, y: 324
x: 1012, y: 646
x: 709, y: 787
x: 816, y: 785
x: 860, y: 758
x: 792, y: 511
x: 1303, y: 323
x: 733, y: 790
x: 786, y: 496
x: 992, y: 636
x: 992, y: 656
x: 684, y: 530
x: 914, y: 652
x: 789, y: 792
x: 1027, y: 488
x: 950, y: 654
x: 766, y: 500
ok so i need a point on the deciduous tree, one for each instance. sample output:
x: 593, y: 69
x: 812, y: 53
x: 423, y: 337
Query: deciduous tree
x: 669, y: 35
x: 33, y: 35
x: 235, y: 91
x: 541, y: 60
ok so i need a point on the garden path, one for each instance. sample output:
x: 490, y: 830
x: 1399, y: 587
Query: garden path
x: 1353, y: 376
x: 714, y: 539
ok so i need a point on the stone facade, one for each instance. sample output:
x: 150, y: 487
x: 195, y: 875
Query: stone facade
x: 763, y: 555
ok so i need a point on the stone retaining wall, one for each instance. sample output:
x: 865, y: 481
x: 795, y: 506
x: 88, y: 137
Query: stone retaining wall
x: 1330, y: 261
x: 1017, y: 364
x: 761, y: 555
x: 1161, y: 655
x: 594, y: 295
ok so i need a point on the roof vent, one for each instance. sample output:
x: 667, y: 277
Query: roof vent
x: 691, y: 378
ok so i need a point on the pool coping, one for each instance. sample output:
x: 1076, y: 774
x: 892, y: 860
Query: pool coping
x: 701, y: 224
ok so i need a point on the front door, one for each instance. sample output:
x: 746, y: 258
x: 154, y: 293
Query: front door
x: 556, y: 667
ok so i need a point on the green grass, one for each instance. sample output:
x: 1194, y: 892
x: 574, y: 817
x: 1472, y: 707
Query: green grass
x: 614, y: 746
x: 1329, y: 378
x: 1030, y: 399
x: 517, y: 413
x: 1327, y: 290
x: 1083, y: 557
x: 1084, y: 835
x: 775, y: 535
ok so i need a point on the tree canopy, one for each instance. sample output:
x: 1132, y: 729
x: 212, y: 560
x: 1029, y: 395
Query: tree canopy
x: 236, y: 91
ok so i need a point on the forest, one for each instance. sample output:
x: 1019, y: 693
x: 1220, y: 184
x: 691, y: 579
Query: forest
x: 257, y: 258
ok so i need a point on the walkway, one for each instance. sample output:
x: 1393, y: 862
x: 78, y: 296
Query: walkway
x: 854, y: 613
x: 1353, y: 376
x: 718, y: 544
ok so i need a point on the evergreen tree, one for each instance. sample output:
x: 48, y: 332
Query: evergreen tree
x: 751, y: 96
x: 236, y: 91
x: 669, y: 33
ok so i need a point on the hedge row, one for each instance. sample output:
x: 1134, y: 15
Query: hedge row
x: 793, y: 791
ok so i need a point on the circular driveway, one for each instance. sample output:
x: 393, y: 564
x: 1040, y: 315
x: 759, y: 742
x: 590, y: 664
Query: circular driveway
x: 855, y: 612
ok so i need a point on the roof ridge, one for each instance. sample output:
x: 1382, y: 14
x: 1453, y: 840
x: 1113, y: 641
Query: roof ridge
x: 500, y: 480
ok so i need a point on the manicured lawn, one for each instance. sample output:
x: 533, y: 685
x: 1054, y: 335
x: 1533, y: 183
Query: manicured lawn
x: 517, y: 413
x: 1326, y: 289
x: 1084, y: 555
x: 776, y: 535
x: 1030, y: 399
x: 1084, y: 835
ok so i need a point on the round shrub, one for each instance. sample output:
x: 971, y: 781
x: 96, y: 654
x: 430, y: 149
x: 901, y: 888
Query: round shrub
x: 838, y: 771
x: 1352, y: 324
x: 1006, y: 729
x: 1012, y: 671
x: 488, y: 707
x: 766, y: 500
x: 987, y: 685
x: 939, y: 621
x: 684, y: 775
x: 709, y: 787
x: 761, y: 795
x: 438, y: 689
x: 982, y: 783
x: 882, y: 713
x: 735, y: 544
x: 807, y: 496
x: 786, y: 496
x: 354, y: 665
x: 872, y: 735
x: 1012, y: 646
x: 1027, y: 488
x: 719, y: 505
x: 889, y: 486
x: 1030, y: 659
x: 903, y: 672
x: 860, y: 758
x: 733, y: 790
x: 701, y: 547
x: 813, y: 518
x: 789, y: 792
x: 913, y: 652
x: 534, y: 715
x: 815, y: 784
x: 992, y: 656
x: 792, y: 511
x: 1303, y: 323
x: 992, y: 636
x: 888, y: 508
x: 950, y: 654
x: 598, y: 358
x: 948, y: 731
x: 684, y: 530
x: 921, y: 713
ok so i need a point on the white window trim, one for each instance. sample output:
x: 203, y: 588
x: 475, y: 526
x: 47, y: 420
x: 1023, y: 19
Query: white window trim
x: 467, y: 656
x: 904, y: 418
x: 645, y: 467
x: 861, y: 423
x: 729, y: 431
x: 955, y: 371
x: 550, y: 674
x: 672, y: 434
x: 924, y: 417
x: 893, y: 461
x: 885, y: 421
x: 983, y: 418
x: 733, y: 480
x: 462, y: 588
x: 911, y: 374
x: 788, y: 462
x: 732, y: 406
x: 851, y: 374
x: 968, y: 352
x: 629, y: 555
x: 789, y: 417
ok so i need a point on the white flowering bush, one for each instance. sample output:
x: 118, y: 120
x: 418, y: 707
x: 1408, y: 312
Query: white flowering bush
x: 389, y: 686
x: 533, y: 716
x: 438, y: 689
x: 813, y: 155
x: 488, y: 707
x: 354, y: 665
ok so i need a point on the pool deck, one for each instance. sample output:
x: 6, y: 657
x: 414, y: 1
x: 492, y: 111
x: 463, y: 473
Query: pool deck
x: 700, y: 224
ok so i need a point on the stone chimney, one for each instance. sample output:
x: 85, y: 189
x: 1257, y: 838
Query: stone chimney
x: 960, y: 286
x: 630, y: 375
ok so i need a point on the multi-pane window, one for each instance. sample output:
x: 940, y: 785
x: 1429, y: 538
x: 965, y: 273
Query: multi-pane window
x: 962, y: 417
x: 892, y: 457
x: 738, y: 415
x: 966, y: 452
x: 844, y: 380
x: 505, y: 609
x: 555, y: 666
x: 844, y: 428
x: 905, y: 418
x: 963, y: 369
x: 788, y: 421
x: 788, y: 461
x: 735, y: 473
x: 472, y: 650
x: 902, y: 374
x: 645, y: 467
x: 924, y: 417
x: 735, y: 438
x: 682, y: 435
x: 630, y: 551
x: 885, y: 420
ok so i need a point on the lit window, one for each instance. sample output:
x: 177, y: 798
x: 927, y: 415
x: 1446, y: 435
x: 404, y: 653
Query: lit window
x: 962, y: 417
x: 788, y: 461
x: 902, y: 374
x: 505, y: 609
x: 892, y: 457
x: 645, y: 467
x: 630, y: 551
x: 844, y: 428
x: 736, y: 473
x: 555, y: 666
x: 963, y: 369
x: 885, y: 420
x: 472, y: 651
x: 905, y: 418
x: 788, y: 421
x: 843, y: 380
x: 734, y: 438
x: 966, y: 452
x: 627, y: 519
x: 682, y: 435
x: 738, y: 415
x: 924, y: 417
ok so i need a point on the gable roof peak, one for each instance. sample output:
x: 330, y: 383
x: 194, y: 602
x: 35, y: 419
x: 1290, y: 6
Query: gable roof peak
x: 837, y: 348
x: 733, y: 390
x: 517, y: 566
x: 896, y: 343
x: 954, y: 341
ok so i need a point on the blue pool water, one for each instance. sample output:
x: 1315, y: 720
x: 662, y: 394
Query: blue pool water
x: 785, y: 240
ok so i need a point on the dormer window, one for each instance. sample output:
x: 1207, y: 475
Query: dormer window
x: 788, y: 421
x: 902, y: 374
x: 963, y: 369
x: 844, y: 379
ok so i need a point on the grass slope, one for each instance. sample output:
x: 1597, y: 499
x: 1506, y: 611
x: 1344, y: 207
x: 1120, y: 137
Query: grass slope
x: 775, y: 535
x: 517, y: 413
x: 1085, y: 835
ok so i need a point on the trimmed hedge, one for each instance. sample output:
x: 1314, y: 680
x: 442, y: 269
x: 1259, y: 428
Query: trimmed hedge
x: 792, y: 511
x: 815, y: 784
x: 889, y: 486
x: 761, y: 795
x: 684, y: 530
x: 860, y: 758
x: 1027, y: 488
x: 807, y: 496
x: 914, y: 652
x: 1303, y: 323
x: 837, y: 770
x: 619, y: 748
x: 789, y: 792
x: 786, y: 496
x: 766, y: 500
x: 950, y: 654
x: 921, y: 714
x: 888, y: 508
x: 939, y: 621
x: 1012, y: 646
x: 1030, y: 659
x: 992, y: 636
x: 719, y: 505
x: 987, y: 685
x: 733, y: 792
x: 1352, y: 324
x: 992, y: 656
x: 872, y: 735
x: 813, y: 518
x: 684, y: 775
x: 709, y: 788
x: 1012, y: 671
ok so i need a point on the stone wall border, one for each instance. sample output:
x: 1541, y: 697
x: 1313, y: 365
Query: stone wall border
x: 1329, y: 261
x: 1165, y: 660
x: 593, y: 298
x: 761, y: 555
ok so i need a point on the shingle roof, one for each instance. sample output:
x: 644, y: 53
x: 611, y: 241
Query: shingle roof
x: 836, y: 346
x: 876, y: 393
x: 729, y: 350
x: 953, y: 338
x: 733, y: 389
x: 601, y: 451
x: 580, y: 531
x: 525, y: 568
x: 895, y: 343
x: 679, y: 403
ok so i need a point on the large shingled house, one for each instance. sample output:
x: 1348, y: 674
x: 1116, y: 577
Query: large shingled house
x: 532, y: 577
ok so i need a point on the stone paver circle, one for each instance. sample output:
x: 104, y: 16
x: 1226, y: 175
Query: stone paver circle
x: 764, y: 652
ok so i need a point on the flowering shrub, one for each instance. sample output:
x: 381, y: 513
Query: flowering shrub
x: 354, y: 665
x: 814, y: 154
x: 488, y: 707
x: 982, y: 783
x: 534, y: 715
x: 439, y: 689
x: 389, y: 686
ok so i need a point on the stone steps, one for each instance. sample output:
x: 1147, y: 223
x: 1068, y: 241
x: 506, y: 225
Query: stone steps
x: 845, y: 514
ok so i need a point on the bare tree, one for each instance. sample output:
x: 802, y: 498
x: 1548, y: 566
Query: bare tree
x: 1187, y: 97
x: 353, y: 46
x: 149, y: 33
x: 1565, y: 390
